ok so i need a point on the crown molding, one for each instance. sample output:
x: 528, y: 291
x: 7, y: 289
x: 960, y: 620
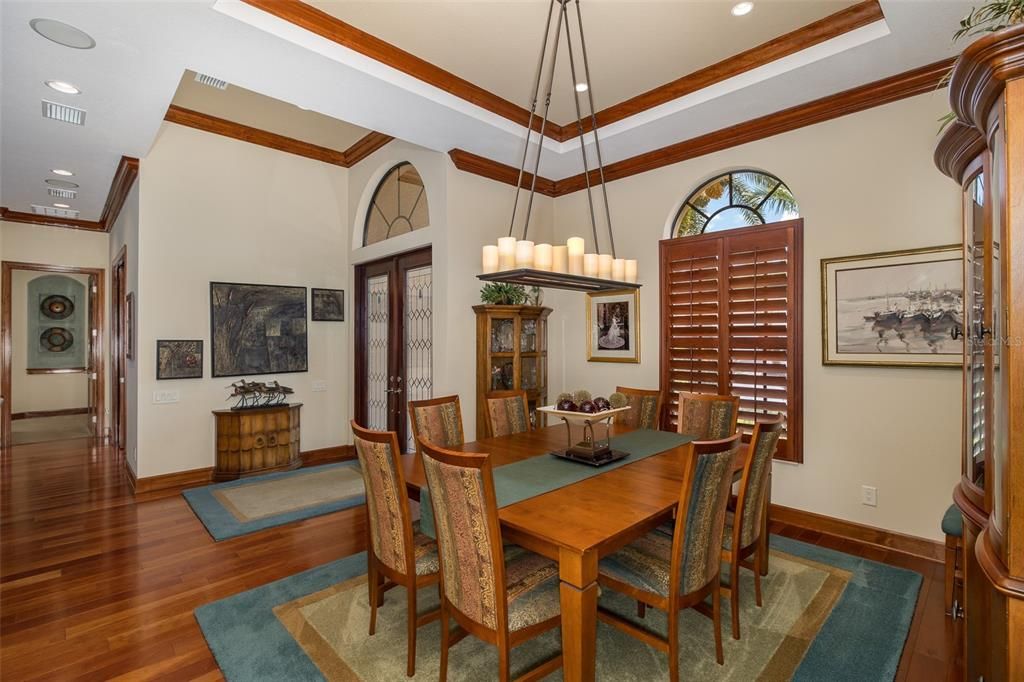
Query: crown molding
x: 980, y: 74
x: 10, y: 216
x: 494, y: 170
x: 365, y: 146
x: 957, y: 149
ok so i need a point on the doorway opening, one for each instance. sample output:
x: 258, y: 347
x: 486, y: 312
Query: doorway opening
x: 118, y: 349
x: 51, y: 353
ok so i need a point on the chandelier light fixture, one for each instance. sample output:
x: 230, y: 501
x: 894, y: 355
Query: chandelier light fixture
x: 569, y: 266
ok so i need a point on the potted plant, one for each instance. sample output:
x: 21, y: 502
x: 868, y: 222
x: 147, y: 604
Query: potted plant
x: 500, y: 293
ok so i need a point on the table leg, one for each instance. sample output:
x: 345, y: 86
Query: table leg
x: 764, y: 525
x: 578, y: 573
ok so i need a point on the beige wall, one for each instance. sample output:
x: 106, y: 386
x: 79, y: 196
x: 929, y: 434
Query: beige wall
x: 125, y: 234
x: 216, y: 209
x: 55, y: 246
x: 865, y: 183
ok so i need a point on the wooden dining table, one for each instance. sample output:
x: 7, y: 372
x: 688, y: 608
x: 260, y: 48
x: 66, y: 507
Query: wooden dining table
x: 580, y: 523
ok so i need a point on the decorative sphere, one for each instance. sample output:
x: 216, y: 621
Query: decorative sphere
x: 567, y: 406
x: 618, y: 400
x: 602, y: 404
x: 588, y: 407
x: 580, y: 395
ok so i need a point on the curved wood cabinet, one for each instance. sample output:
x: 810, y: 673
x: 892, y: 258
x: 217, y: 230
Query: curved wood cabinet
x: 983, y: 150
x: 257, y: 441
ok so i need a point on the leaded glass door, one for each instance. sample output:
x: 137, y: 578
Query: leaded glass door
x: 394, y: 341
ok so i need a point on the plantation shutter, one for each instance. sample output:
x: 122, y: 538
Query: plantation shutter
x: 731, y: 323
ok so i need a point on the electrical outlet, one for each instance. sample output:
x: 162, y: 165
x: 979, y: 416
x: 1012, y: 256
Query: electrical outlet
x: 869, y: 495
x: 163, y: 397
x: 319, y: 386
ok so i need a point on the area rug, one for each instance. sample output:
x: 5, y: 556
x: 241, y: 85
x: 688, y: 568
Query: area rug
x: 826, y: 616
x: 251, y: 504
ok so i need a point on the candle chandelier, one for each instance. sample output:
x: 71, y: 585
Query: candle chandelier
x: 569, y: 266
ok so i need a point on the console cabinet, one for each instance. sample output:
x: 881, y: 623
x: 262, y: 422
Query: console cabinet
x: 257, y: 441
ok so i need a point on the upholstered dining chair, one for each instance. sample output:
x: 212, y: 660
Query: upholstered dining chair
x: 744, y: 526
x: 437, y: 420
x: 507, y: 413
x: 706, y: 416
x: 646, y: 404
x: 398, y: 552
x: 675, y: 572
x: 504, y: 596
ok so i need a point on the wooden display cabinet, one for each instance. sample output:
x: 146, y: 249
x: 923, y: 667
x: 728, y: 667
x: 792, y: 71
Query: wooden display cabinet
x: 257, y: 441
x: 511, y: 354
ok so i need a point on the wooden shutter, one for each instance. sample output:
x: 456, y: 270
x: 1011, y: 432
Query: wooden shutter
x: 731, y: 323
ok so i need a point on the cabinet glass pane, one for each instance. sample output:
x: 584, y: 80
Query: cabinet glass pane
x: 503, y: 335
x: 530, y: 376
x: 974, y: 315
x: 528, y: 336
x: 502, y: 374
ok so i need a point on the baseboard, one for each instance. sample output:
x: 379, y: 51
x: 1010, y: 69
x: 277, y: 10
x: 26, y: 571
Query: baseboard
x: 336, y: 453
x: 49, y: 413
x: 132, y: 481
x: 857, y: 532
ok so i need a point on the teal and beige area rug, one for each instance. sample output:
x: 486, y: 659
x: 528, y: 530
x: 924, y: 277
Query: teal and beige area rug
x: 250, y: 504
x: 826, y: 616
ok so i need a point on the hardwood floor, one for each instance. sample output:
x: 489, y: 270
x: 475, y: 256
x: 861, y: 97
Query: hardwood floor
x: 96, y: 584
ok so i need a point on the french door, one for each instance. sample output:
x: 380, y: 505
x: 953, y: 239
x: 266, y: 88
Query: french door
x: 394, y: 341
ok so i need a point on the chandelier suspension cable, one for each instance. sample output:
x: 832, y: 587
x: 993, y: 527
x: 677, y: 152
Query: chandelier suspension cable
x: 579, y: 124
x: 593, y: 125
x: 529, y: 125
x: 544, y: 120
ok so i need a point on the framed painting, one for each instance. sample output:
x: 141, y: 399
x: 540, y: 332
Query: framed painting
x: 179, y: 359
x: 327, y: 305
x: 613, y: 326
x: 899, y: 308
x: 257, y: 329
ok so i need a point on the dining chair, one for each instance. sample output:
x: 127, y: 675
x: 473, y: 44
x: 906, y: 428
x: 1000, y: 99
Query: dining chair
x: 507, y: 413
x: 707, y: 416
x: 437, y: 420
x: 503, y: 596
x: 399, y: 552
x: 745, y: 525
x: 646, y: 404
x: 672, y: 573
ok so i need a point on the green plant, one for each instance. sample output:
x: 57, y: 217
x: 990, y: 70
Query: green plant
x: 500, y: 293
x: 992, y: 16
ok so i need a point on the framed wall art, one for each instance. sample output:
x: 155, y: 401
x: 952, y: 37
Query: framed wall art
x: 613, y: 326
x: 179, y: 359
x: 327, y: 305
x: 898, y: 308
x: 257, y: 329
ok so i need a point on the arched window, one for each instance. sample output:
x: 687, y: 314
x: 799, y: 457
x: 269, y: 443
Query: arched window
x: 736, y: 199
x: 399, y: 205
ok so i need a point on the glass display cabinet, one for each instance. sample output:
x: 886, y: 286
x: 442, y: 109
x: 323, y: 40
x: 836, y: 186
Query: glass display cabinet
x: 511, y: 354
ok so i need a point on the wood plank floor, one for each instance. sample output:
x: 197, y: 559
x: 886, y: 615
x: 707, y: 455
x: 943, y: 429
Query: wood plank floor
x: 96, y: 584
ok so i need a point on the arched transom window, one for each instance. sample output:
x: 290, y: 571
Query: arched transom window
x: 399, y: 205
x: 738, y: 198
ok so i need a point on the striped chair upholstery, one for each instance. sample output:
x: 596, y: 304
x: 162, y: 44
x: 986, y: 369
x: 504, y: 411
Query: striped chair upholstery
x: 707, y: 417
x: 438, y: 421
x: 644, y: 412
x: 752, y: 514
x: 507, y: 413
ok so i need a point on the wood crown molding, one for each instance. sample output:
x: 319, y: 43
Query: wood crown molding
x: 323, y: 24
x: 959, y: 145
x: 981, y: 73
x: 120, y: 186
x: 884, y: 91
x: 362, y: 148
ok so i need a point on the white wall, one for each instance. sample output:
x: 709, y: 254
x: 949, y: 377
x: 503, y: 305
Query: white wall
x: 865, y: 183
x: 125, y: 234
x: 217, y: 209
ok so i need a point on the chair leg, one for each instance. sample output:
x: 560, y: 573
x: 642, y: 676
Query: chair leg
x: 734, y: 596
x: 503, y: 669
x: 410, y: 666
x: 951, y: 551
x: 641, y: 609
x: 444, y: 642
x: 373, y: 585
x: 673, y: 643
x: 759, y: 560
x: 716, y: 618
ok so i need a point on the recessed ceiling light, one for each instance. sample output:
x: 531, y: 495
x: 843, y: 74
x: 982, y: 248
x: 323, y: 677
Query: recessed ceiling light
x: 62, y: 206
x: 61, y: 171
x: 63, y: 34
x: 741, y: 8
x: 581, y: 87
x: 63, y: 86
x: 53, y: 182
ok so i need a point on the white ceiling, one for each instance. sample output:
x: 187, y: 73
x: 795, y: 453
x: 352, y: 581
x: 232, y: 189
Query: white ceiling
x: 143, y: 48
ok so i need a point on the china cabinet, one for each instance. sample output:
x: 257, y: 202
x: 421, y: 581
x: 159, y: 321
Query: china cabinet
x: 511, y: 354
x: 983, y: 150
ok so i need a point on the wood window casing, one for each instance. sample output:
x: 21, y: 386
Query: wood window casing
x: 732, y: 323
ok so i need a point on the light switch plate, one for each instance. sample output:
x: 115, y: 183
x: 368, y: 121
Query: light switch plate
x: 163, y: 397
x: 869, y: 495
x: 319, y: 386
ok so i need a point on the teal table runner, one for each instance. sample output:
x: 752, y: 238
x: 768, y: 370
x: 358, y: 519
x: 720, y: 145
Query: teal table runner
x: 538, y: 475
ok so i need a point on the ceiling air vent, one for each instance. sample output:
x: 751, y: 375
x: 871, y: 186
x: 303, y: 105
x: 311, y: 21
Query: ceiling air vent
x: 53, y: 212
x: 61, y: 193
x: 62, y: 112
x: 211, y: 81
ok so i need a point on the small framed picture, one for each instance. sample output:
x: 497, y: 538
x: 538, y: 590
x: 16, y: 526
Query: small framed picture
x: 179, y: 359
x: 129, y: 325
x: 896, y: 309
x: 328, y: 305
x: 613, y: 326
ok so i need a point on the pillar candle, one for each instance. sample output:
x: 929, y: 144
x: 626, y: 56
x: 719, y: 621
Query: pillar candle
x: 542, y: 257
x: 590, y: 264
x: 524, y: 253
x: 506, y: 253
x: 490, y: 257
x: 631, y: 270
x: 575, y: 251
x: 560, y: 258
x: 619, y: 269
x: 604, y: 266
